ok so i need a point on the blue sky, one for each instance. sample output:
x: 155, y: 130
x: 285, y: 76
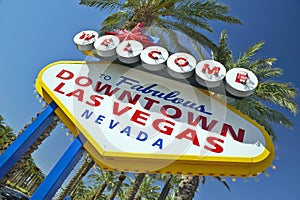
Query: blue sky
x: 35, y: 33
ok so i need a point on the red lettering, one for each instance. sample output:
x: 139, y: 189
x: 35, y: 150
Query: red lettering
x: 213, y: 141
x: 127, y: 94
x: 77, y: 93
x: 140, y: 117
x: 65, y: 75
x: 239, y: 137
x: 176, y: 115
x: 165, y: 129
x: 203, y: 120
x: 241, y: 77
x: 150, y: 103
x: 105, y: 87
x: 118, y: 112
x: 86, y: 81
x: 189, y: 134
x: 95, y: 100
x: 182, y: 62
x: 215, y: 70
x: 57, y: 89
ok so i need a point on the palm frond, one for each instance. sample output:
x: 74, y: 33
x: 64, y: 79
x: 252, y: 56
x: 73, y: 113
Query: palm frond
x: 282, y: 94
x: 224, y: 183
x: 189, y: 32
x: 102, y: 4
x: 264, y: 62
x: 212, y: 10
x: 224, y: 55
x: 266, y: 72
x: 244, y: 60
x: 114, y: 21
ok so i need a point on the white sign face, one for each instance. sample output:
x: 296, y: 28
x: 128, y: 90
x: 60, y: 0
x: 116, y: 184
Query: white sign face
x: 128, y: 113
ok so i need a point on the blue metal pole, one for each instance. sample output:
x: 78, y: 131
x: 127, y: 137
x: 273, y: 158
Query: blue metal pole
x: 59, y: 173
x: 18, y: 148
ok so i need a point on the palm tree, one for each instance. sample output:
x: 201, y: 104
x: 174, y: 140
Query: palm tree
x: 86, y: 165
x: 171, y: 182
x: 106, y: 178
x: 2, y: 122
x: 255, y: 106
x: 189, y: 17
x: 269, y: 90
x: 135, y: 186
x: 6, y: 135
x: 187, y: 187
x: 80, y: 191
x: 123, y: 192
x: 118, y: 185
x: 186, y: 16
x: 17, y: 167
x: 147, y: 189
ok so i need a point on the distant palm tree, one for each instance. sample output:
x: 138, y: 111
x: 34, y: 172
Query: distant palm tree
x: 185, y: 16
x: 187, y: 187
x: 105, y: 178
x: 85, y: 166
x: 123, y: 193
x: 17, y: 167
x: 6, y: 137
x: 81, y: 191
x: 135, y: 186
x: 2, y: 122
x: 148, y: 190
x: 171, y: 182
x: 117, y: 186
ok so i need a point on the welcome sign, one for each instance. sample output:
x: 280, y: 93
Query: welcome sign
x: 136, y: 121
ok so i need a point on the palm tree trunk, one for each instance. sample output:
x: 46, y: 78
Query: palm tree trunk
x: 116, y: 189
x: 100, y: 191
x: 27, y: 155
x: 166, y: 189
x: 136, y: 185
x: 187, y: 187
x: 81, y: 172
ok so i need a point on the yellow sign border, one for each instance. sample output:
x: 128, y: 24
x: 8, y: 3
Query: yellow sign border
x: 185, y: 164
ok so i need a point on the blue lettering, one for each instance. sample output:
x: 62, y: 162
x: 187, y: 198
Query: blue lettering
x: 112, y: 125
x: 158, y: 143
x: 142, y: 136
x: 86, y: 114
x: 125, y: 80
x: 99, y: 119
x: 126, y: 130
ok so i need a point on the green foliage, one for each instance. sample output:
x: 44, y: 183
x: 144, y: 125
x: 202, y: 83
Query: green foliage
x: 186, y: 16
x: 6, y: 134
x: 262, y: 105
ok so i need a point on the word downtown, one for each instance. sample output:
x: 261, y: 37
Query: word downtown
x: 140, y: 117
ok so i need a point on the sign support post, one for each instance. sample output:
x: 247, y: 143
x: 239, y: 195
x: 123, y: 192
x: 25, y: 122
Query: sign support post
x: 19, y: 147
x: 61, y: 170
